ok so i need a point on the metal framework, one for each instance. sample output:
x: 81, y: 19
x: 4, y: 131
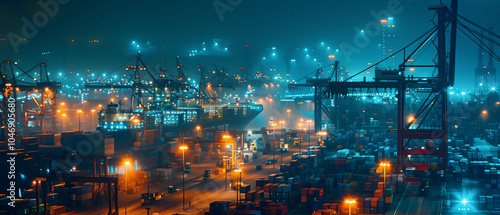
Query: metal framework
x: 436, y: 87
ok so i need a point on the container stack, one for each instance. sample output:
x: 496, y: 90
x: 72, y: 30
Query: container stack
x: 312, y: 198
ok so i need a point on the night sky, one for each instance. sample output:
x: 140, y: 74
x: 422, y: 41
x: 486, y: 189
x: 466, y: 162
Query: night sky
x: 176, y: 28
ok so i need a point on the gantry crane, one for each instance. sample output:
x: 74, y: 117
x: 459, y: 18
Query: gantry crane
x: 34, y: 84
x: 420, y: 125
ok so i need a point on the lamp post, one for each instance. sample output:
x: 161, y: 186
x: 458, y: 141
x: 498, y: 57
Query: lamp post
x: 92, y: 119
x: 309, y: 131
x: 225, y: 159
x: 384, y: 165
x: 79, y: 111
x: 282, y: 122
x: 183, y: 177
x: 288, y: 111
x: 483, y: 114
x: 237, y: 189
x: 127, y: 163
x: 63, y: 116
x: 198, y: 128
x: 227, y: 146
x: 274, y: 147
x: 350, y: 202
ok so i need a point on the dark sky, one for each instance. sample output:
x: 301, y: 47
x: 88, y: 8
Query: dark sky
x: 179, y: 26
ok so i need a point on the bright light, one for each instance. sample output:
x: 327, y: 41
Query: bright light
x: 62, y: 103
x: 464, y: 201
x: 127, y: 163
x: 492, y: 88
x: 385, y: 164
x: 183, y: 147
x: 198, y: 127
x: 322, y: 133
x: 74, y: 168
x: 484, y: 112
x: 410, y: 119
x: 79, y: 111
x: 63, y: 114
x: 352, y: 201
x: 237, y: 170
x: 226, y: 136
x: 288, y: 110
x: 249, y: 132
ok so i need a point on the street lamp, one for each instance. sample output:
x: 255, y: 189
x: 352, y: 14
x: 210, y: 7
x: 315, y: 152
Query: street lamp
x: 384, y: 165
x: 198, y: 128
x: 183, y: 177
x: 274, y: 147
x: 63, y: 116
x: 483, y: 114
x: 282, y: 122
x: 92, y: 119
x: 309, y: 131
x: 350, y: 202
x: 232, y: 150
x: 79, y: 114
x: 127, y: 163
x: 288, y: 111
x: 238, y: 187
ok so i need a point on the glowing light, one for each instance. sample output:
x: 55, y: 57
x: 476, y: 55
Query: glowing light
x: 385, y: 164
x: 410, y: 119
x: 127, y: 163
x: 350, y: 201
x: 464, y: 201
x: 484, y: 112
x: 183, y: 147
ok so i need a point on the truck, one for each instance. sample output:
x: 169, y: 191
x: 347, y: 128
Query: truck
x: 153, y: 196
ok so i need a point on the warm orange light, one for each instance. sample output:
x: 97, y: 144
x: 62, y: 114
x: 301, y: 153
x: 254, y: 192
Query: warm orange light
x: 385, y: 164
x: 183, y: 147
x: 62, y: 103
x: 485, y: 112
x: 331, y: 56
x: 79, y: 111
x: 309, y: 121
x: 127, y: 163
x: 410, y: 119
x: 74, y: 168
x: 351, y: 201
x: 282, y: 121
x: 226, y: 136
x: 34, y: 182
x: 237, y: 170
x: 92, y: 110
x: 322, y: 133
x: 63, y: 114
x: 300, y: 124
x: 288, y: 110
x: 135, y: 121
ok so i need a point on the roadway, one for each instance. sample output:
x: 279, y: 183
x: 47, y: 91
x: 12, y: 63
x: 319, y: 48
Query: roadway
x: 411, y: 203
x: 198, y: 191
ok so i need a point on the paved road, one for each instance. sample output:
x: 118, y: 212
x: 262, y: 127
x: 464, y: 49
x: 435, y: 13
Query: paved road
x: 413, y: 204
x: 198, y: 191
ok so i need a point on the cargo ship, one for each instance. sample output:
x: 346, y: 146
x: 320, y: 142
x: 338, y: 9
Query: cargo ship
x: 232, y: 115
